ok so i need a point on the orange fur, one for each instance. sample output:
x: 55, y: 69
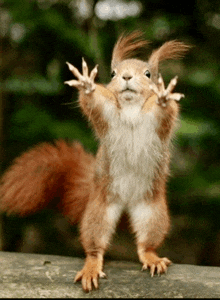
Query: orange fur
x: 93, y: 109
x: 169, y: 50
x: 167, y: 120
x: 47, y: 172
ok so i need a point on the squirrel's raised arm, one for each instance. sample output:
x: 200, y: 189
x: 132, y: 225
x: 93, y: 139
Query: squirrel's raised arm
x: 92, y: 96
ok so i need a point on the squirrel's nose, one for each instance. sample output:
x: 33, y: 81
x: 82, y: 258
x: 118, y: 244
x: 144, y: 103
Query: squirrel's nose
x: 126, y: 76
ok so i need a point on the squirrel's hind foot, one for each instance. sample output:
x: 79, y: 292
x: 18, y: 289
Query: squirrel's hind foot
x: 90, y: 273
x: 156, y: 264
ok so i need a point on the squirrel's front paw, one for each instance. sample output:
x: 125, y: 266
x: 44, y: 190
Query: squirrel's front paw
x: 85, y: 81
x: 165, y: 94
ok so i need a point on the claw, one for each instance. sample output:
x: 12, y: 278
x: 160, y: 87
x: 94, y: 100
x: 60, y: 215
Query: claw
x: 175, y: 80
x: 144, y: 267
x: 74, y: 83
x: 161, y: 83
x: 163, y: 266
x: 176, y: 96
x: 154, y: 88
x: 171, y: 85
x: 69, y: 66
x: 159, y: 269
x: 94, y: 73
x: 167, y: 261
x: 95, y: 282
x: 160, y: 80
x: 78, y: 276
x: 85, y: 68
x: 102, y: 275
x: 74, y: 70
x: 68, y: 82
x: 152, y: 270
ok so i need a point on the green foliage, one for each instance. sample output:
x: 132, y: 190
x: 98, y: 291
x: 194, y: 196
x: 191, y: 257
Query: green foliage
x: 30, y: 121
x: 35, y: 83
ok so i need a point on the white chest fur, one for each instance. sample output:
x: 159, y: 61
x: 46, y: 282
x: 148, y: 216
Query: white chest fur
x: 134, y: 150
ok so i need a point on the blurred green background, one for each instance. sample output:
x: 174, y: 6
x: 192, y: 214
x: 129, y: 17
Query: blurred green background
x: 37, y: 37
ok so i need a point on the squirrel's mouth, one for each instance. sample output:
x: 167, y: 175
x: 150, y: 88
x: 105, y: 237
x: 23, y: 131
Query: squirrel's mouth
x: 127, y: 89
x: 128, y: 94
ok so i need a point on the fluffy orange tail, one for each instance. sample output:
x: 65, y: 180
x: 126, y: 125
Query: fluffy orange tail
x: 48, y: 175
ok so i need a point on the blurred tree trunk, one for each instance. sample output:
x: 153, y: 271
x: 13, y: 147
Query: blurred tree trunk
x: 1, y: 134
x: 1, y: 142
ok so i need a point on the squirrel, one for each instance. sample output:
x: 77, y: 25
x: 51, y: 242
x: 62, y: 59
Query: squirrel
x: 134, y: 117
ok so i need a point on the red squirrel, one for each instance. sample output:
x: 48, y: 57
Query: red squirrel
x: 134, y: 118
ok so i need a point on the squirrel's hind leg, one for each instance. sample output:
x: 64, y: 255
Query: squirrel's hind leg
x: 97, y: 226
x: 150, y: 222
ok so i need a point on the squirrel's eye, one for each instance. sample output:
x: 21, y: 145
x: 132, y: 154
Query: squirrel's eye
x: 147, y: 73
x: 113, y: 73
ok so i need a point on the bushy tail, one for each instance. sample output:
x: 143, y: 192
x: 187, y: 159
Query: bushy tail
x: 47, y: 176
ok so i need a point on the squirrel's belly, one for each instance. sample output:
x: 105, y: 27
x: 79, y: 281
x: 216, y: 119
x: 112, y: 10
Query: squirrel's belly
x: 130, y: 187
x: 135, y: 154
x: 132, y: 179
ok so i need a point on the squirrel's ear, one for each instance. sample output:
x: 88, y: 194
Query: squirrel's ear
x: 128, y: 46
x: 169, y: 50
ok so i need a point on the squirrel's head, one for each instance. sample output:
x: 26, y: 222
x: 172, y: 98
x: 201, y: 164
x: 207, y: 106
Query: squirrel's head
x: 131, y: 77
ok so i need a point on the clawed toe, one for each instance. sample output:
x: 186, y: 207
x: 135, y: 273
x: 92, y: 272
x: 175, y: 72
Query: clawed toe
x: 158, y: 267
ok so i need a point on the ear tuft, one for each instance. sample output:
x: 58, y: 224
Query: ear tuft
x: 128, y: 46
x: 169, y: 50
